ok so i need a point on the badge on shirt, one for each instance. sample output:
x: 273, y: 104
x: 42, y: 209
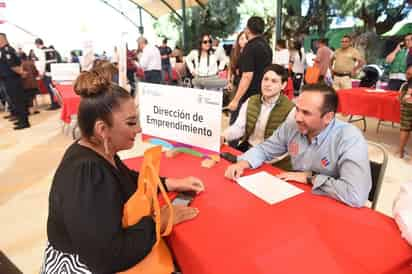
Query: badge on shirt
x: 324, y: 162
x: 293, y: 149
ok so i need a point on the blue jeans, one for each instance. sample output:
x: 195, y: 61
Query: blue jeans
x: 152, y: 76
x: 48, y: 83
x: 168, y: 70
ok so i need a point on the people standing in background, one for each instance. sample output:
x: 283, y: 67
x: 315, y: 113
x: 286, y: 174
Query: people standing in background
x: 115, y: 57
x: 220, y: 53
x: 233, y: 73
x: 178, y: 54
x: 58, y: 55
x: 10, y: 75
x: 47, y: 58
x: 30, y: 85
x: 73, y: 57
x: 282, y: 55
x: 297, y: 60
x: 323, y: 57
x: 131, y: 69
x: 165, y: 53
x: 397, y: 60
x: 33, y: 56
x: 406, y: 112
x: 150, y: 61
x: 345, y: 64
x: 203, y: 65
x: 408, y: 44
x: 254, y: 58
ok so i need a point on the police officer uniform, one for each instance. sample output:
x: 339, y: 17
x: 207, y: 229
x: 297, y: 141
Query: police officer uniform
x: 13, y: 85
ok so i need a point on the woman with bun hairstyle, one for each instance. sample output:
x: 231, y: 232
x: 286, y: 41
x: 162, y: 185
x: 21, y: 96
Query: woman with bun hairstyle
x: 91, y: 186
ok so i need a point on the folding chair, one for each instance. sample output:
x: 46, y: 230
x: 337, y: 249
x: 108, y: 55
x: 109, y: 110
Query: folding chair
x: 378, y: 168
x: 382, y: 123
x: 352, y: 120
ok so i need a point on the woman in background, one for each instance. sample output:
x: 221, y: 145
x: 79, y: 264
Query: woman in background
x: 203, y: 65
x: 233, y: 74
x: 30, y: 84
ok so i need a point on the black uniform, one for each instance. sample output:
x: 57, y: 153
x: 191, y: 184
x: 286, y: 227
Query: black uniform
x: 50, y: 58
x: 13, y: 84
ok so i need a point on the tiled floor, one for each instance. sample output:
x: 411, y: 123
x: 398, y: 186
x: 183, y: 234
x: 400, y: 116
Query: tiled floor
x: 29, y: 158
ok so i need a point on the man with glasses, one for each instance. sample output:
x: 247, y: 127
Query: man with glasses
x: 327, y: 153
x: 397, y: 60
x: 345, y: 64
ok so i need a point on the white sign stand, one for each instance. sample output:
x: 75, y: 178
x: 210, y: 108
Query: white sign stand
x: 189, y: 116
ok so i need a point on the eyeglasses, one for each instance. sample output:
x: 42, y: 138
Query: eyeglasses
x: 207, y: 42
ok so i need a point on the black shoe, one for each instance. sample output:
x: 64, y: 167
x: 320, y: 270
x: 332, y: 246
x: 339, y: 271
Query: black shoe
x: 21, y: 126
x: 35, y: 112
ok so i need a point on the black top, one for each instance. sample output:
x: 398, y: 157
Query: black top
x: 50, y: 56
x: 86, y: 208
x: 165, y: 51
x: 254, y: 58
x: 8, y: 59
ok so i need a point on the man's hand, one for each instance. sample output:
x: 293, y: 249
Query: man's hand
x: 185, y: 184
x: 233, y: 105
x: 300, y: 177
x: 236, y: 170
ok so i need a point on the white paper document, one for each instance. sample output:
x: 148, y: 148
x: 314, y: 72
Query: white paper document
x: 268, y: 187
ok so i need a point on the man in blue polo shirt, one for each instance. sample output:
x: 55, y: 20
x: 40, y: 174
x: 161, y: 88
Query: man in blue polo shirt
x: 329, y: 154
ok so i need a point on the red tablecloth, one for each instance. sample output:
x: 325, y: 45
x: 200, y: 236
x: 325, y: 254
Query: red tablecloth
x: 236, y: 232
x: 70, y: 102
x: 381, y: 105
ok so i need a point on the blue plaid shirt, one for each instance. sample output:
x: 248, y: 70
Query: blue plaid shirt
x: 338, y: 156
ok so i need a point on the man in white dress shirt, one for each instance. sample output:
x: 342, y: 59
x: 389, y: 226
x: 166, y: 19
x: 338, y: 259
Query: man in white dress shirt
x: 150, y: 61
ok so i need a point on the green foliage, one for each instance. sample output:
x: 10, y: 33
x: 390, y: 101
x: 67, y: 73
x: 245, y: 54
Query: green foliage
x: 219, y: 18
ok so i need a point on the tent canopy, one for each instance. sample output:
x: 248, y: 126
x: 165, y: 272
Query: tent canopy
x: 157, y: 8
x: 399, y: 29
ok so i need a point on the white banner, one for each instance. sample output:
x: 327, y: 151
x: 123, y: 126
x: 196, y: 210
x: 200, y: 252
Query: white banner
x: 185, y: 115
x: 65, y: 71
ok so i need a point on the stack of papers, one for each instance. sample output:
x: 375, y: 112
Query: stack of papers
x: 268, y: 187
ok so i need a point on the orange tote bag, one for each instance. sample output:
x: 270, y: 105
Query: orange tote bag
x: 145, y: 202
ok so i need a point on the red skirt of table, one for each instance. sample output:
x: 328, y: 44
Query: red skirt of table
x: 70, y: 101
x: 381, y: 105
x: 235, y: 232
